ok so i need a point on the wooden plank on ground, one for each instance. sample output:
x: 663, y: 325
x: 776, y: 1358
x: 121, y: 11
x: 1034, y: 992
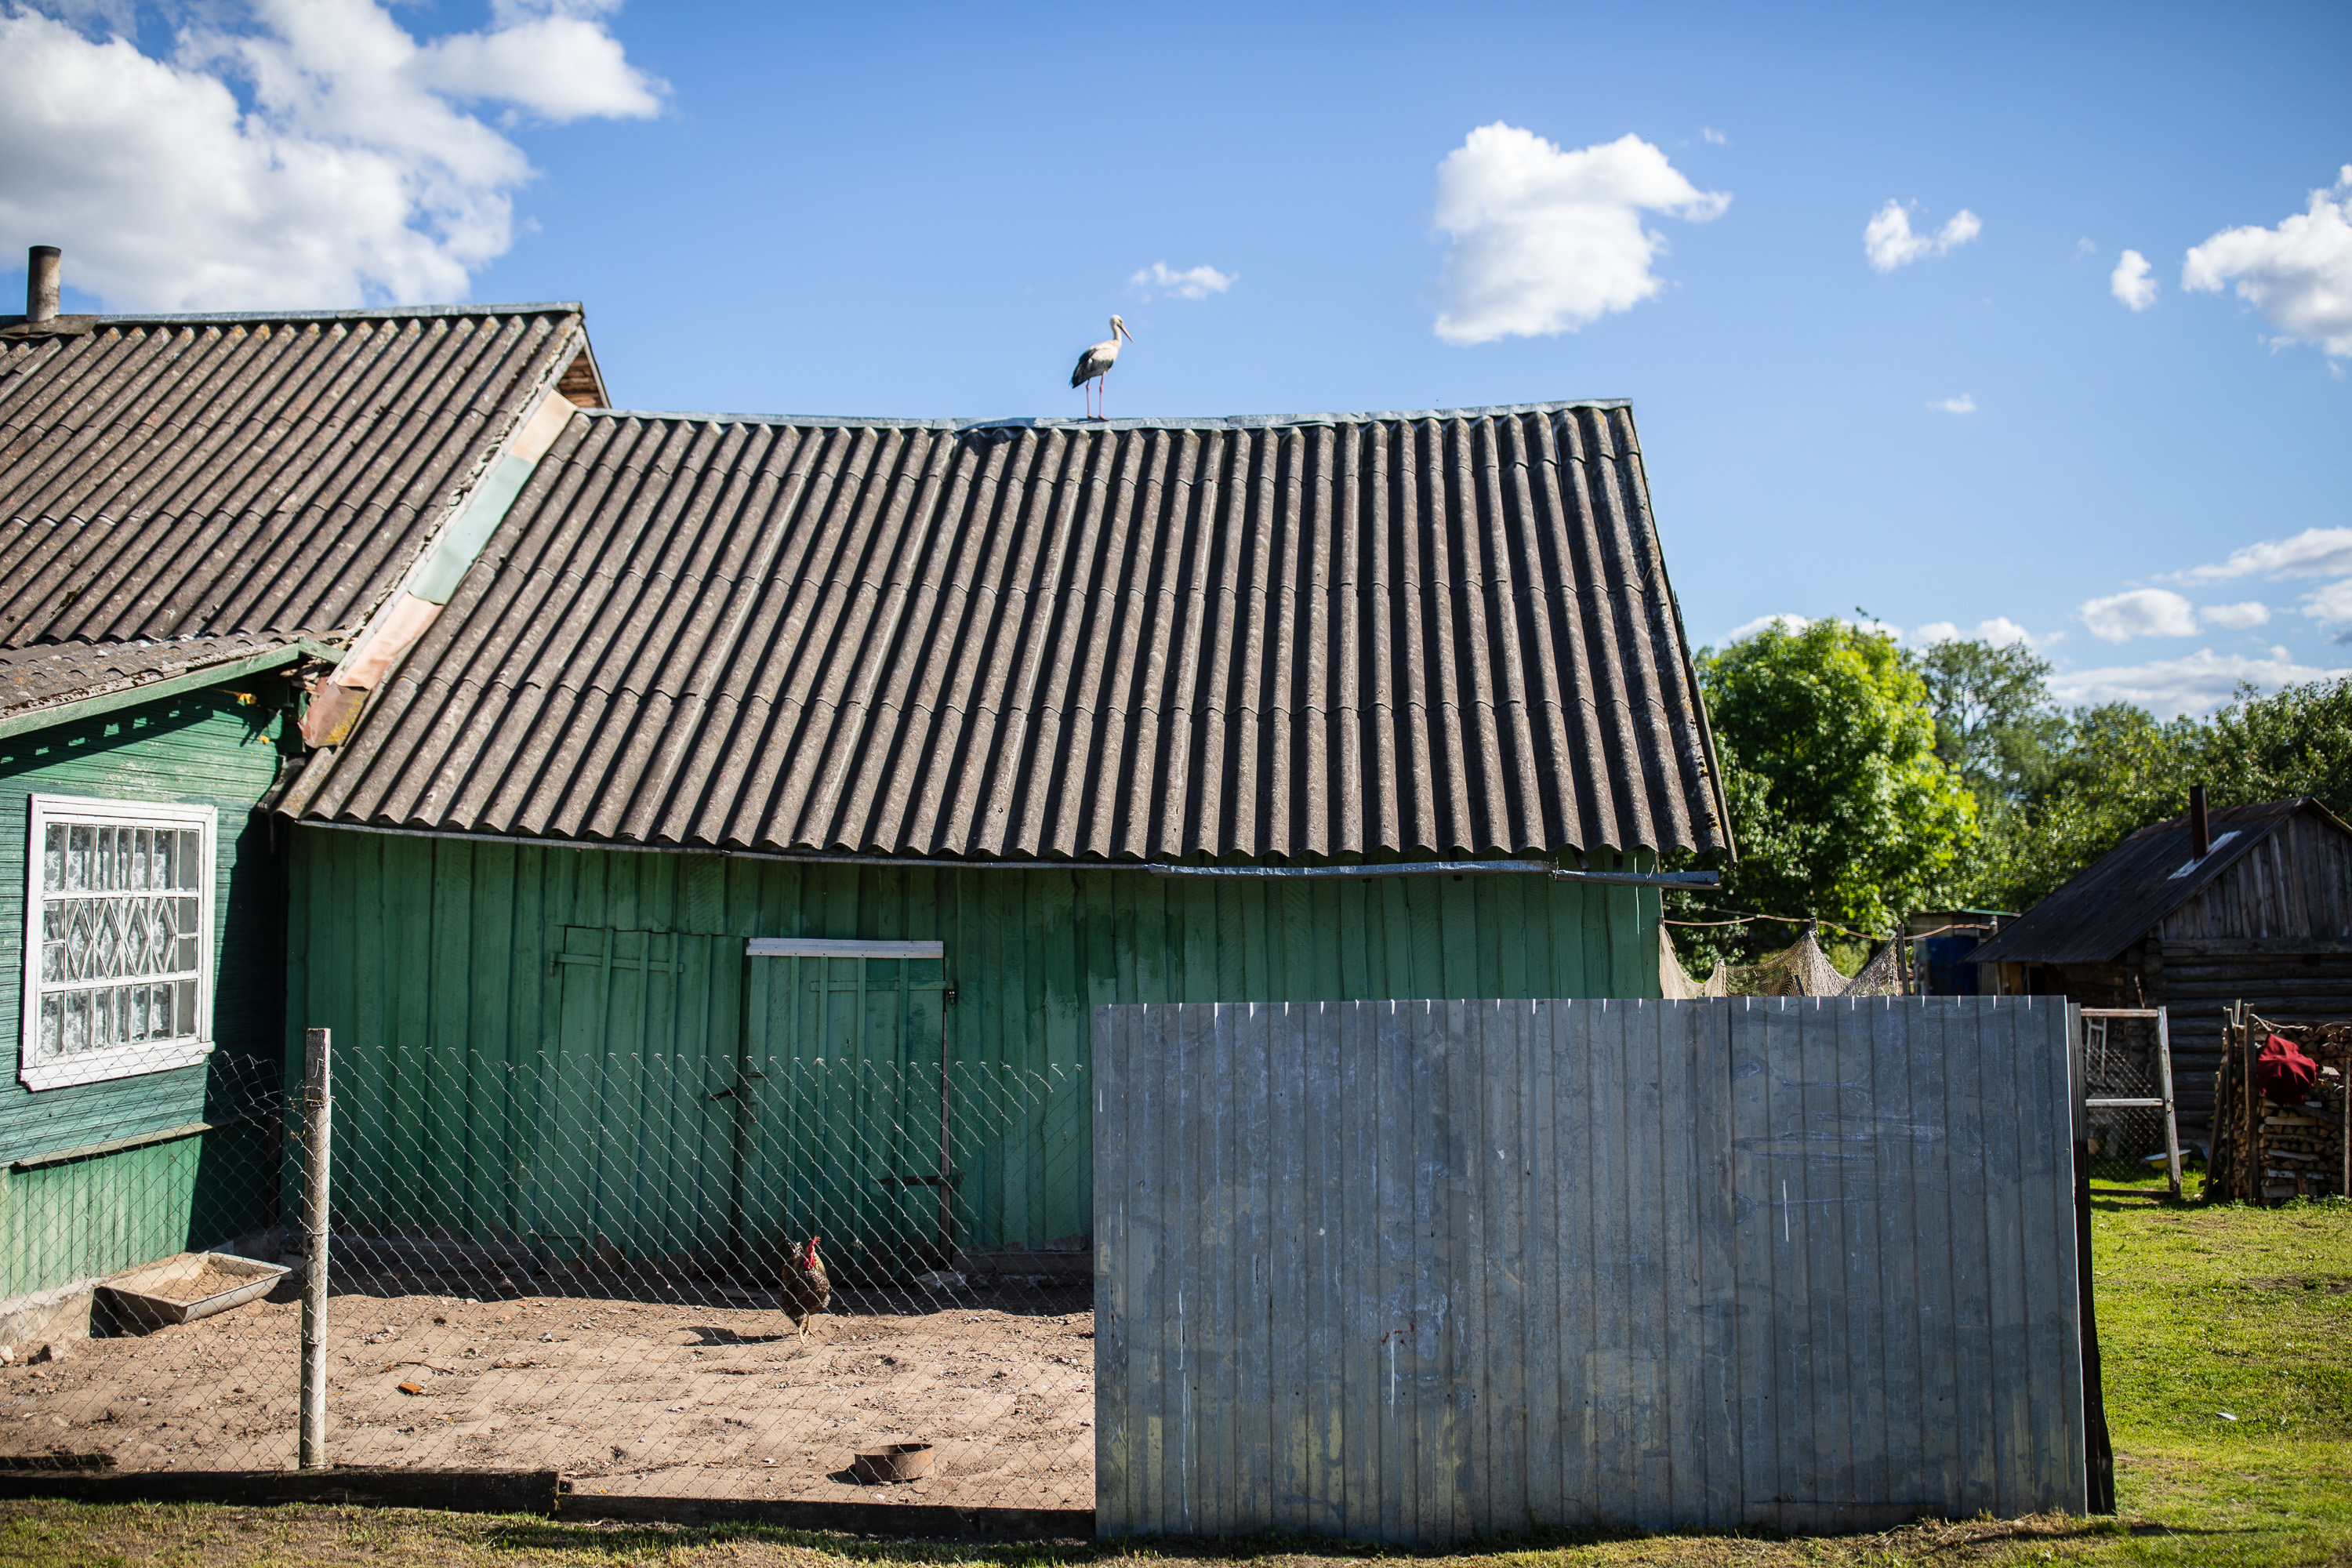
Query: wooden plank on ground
x: 457, y: 1491
x: 925, y: 1521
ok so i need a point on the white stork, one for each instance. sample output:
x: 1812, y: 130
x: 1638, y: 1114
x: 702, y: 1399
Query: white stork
x: 1095, y: 363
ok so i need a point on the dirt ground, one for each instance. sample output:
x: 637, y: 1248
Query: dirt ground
x: 708, y: 1398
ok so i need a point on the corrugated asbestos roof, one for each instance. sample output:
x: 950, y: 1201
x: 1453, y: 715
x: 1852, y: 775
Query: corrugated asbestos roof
x: 1344, y: 636
x: 53, y: 673
x: 2093, y: 918
x: 166, y: 478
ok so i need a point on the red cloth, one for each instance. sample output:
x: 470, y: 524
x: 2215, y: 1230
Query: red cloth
x: 2285, y: 1073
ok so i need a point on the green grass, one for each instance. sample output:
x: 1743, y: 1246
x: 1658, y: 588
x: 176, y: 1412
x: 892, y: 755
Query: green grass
x: 2201, y: 1311
x: 2207, y: 1314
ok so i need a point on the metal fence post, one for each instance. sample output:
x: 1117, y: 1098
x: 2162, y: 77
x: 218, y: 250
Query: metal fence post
x: 314, y: 1103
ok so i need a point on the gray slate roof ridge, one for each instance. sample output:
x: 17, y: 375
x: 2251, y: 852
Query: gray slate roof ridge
x: 1053, y: 422
x: 368, y: 314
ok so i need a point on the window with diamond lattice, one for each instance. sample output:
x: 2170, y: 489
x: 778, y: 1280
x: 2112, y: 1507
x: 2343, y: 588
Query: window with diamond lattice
x: 117, y: 939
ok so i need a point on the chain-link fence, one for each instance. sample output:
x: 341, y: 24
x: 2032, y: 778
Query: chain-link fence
x: 600, y: 1264
x: 129, y: 1213
x: 2128, y: 1099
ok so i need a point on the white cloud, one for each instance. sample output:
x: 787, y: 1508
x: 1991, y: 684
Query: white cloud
x: 2331, y: 603
x: 1794, y: 623
x: 2197, y: 684
x: 2085, y: 247
x: 1963, y: 404
x: 1546, y: 241
x: 1193, y: 283
x: 2000, y: 631
x: 2130, y: 282
x: 1749, y: 628
x: 554, y: 59
x: 2299, y: 275
x: 1888, y: 241
x: 1710, y: 133
x: 2314, y: 553
x: 352, y: 176
x: 2142, y: 613
x: 2236, y: 617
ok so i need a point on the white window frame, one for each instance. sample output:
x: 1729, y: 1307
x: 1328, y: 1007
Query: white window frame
x: 144, y: 1056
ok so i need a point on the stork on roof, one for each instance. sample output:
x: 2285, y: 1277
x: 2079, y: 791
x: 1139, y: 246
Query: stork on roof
x: 1095, y: 363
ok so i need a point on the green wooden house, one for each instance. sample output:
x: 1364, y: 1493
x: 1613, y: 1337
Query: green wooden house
x: 741, y: 850
x: 198, y: 516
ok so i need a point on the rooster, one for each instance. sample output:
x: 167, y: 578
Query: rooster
x: 807, y: 1290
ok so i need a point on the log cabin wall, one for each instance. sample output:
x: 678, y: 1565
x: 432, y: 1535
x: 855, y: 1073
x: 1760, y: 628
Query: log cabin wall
x: 2274, y: 931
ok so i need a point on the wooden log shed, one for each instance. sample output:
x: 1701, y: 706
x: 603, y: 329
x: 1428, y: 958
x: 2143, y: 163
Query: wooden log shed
x: 2264, y: 917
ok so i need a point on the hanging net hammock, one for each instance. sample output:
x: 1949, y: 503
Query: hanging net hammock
x: 1800, y: 969
x: 1674, y: 983
x: 1882, y: 976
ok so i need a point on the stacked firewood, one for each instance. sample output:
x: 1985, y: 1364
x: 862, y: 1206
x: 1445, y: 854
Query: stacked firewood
x: 2264, y: 1151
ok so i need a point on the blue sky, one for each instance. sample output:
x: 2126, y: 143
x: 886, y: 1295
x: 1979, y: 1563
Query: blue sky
x: 927, y: 211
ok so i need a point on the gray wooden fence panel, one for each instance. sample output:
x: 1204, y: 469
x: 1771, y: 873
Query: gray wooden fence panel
x: 1414, y: 1271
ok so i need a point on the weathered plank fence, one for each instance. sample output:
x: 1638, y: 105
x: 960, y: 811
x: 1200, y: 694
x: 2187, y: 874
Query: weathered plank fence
x: 1414, y: 1271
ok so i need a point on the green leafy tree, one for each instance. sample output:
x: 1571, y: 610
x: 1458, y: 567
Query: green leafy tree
x: 1840, y: 805
x: 2116, y: 769
x: 1863, y: 782
x: 1995, y: 725
x: 2298, y: 741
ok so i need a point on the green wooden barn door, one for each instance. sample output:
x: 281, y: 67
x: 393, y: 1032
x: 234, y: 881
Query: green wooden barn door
x: 843, y: 1114
x: 634, y: 1145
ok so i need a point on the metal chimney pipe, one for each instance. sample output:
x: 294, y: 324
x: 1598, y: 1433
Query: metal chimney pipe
x: 2200, y: 827
x: 41, y: 282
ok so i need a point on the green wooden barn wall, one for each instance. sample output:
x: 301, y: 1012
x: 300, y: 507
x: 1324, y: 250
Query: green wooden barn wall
x: 442, y: 965
x: 65, y: 1221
